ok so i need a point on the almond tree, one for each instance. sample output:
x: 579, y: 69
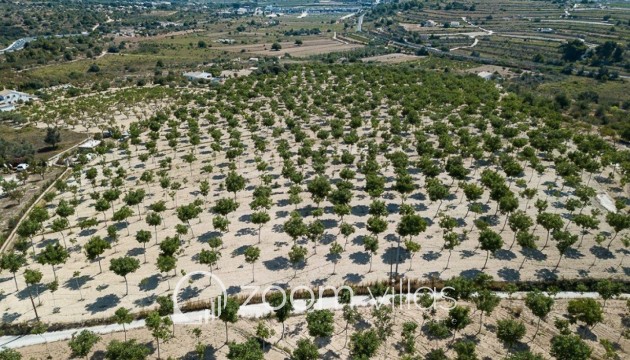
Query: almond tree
x: 210, y: 258
x: 550, y: 222
x: 489, y: 241
x: 13, y: 262
x: 565, y: 240
x: 135, y: 198
x: 227, y: 311
x: 160, y: 328
x: 540, y: 305
x: 123, y: 214
x: 296, y: 256
x: 252, y: 254
x: 282, y: 307
x: 143, y: 237
x: 124, y: 266
x: 335, y: 254
x: 94, y: 248
x: 519, y: 221
x: 346, y: 230
x: 486, y: 302
x: 370, y: 243
x: 451, y: 240
x: 53, y: 255
x: 123, y: 316
x: 154, y: 219
x: 234, y: 183
x: 32, y: 279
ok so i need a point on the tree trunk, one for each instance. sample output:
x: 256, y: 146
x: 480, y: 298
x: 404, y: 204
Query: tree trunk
x: 448, y: 260
x: 486, y: 263
x: 16, y: 284
x: 558, y: 264
x: 126, y: 286
x: 33, y: 303
x: 158, y: 346
x: 226, y: 333
x: 100, y: 269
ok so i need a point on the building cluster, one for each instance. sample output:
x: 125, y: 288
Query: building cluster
x: 10, y: 98
x: 431, y: 23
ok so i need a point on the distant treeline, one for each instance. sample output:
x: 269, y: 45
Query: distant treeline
x: 292, y: 32
x: 354, y: 55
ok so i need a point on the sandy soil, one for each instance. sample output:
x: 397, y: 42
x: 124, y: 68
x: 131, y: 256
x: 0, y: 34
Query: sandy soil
x: 392, y: 58
x: 213, y: 335
x: 104, y: 292
x: 309, y: 47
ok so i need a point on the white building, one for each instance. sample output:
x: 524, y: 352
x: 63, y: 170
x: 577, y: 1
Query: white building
x: 89, y: 146
x: 430, y: 23
x: 13, y: 97
x: 241, y: 11
x: 10, y: 98
x: 198, y: 75
x: 454, y: 23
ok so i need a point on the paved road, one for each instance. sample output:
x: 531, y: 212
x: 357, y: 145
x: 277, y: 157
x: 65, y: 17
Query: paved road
x: 247, y: 311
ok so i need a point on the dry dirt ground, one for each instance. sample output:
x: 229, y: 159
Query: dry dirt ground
x: 104, y: 292
x: 488, y: 346
x: 308, y: 48
x: 392, y: 58
x: 503, y: 71
x: 33, y: 187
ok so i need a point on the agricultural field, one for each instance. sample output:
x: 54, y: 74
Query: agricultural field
x: 475, y: 153
x: 436, y: 176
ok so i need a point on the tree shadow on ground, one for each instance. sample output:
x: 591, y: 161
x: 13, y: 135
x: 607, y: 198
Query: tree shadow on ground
x: 103, y: 303
x: 504, y: 255
x: 508, y: 274
x: 534, y: 254
x: 586, y: 333
x: 8, y: 318
x: 239, y: 250
x: 277, y: 263
x: 246, y: 232
x: 601, y: 252
x: 431, y: 256
x: 546, y: 274
x: 360, y: 257
x: 470, y: 273
x: 233, y: 289
x: 209, y: 354
x: 353, y: 278
x: 573, y: 253
x: 135, y: 251
x: 393, y: 255
x: 77, y: 282
x: 145, y: 301
x: 359, y: 210
x: 189, y: 292
x: 149, y: 283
